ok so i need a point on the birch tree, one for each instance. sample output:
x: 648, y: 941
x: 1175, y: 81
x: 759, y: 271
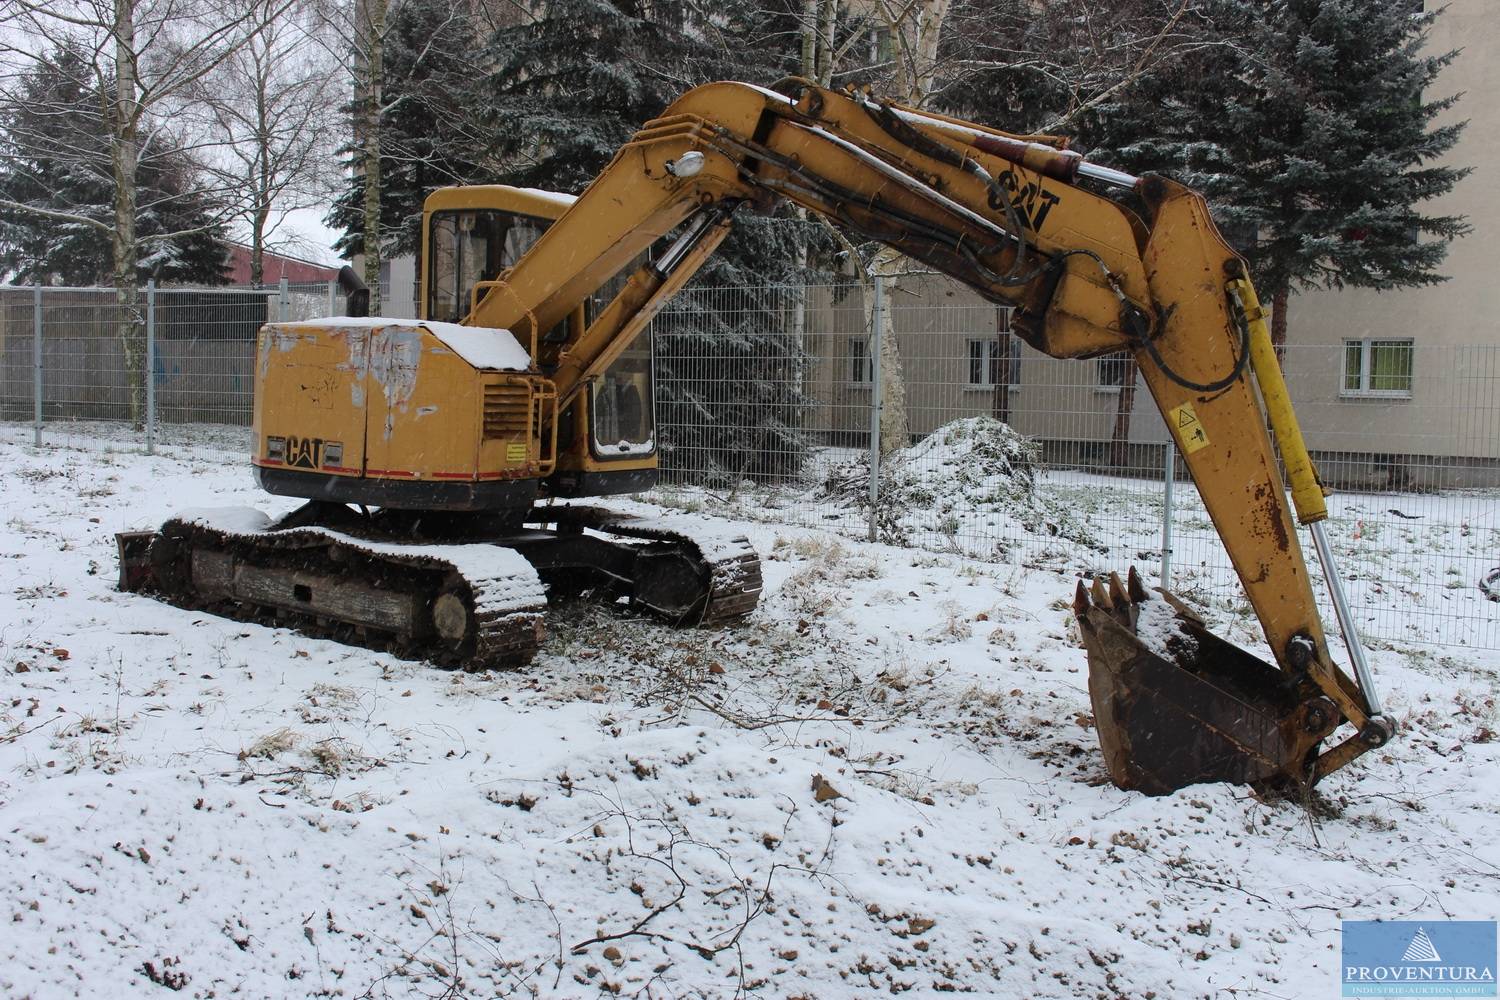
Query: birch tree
x: 914, y: 29
x: 270, y: 113
x: 369, y: 39
x: 151, y: 52
x: 355, y: 35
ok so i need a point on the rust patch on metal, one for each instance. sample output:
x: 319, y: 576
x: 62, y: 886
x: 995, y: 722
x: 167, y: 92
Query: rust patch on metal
x: 1278, y: 527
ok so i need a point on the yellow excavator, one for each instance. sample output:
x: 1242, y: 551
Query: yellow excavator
x: 431, y: 452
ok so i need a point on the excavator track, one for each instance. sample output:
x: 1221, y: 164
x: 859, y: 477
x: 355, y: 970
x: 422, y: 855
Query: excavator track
x: 470, y: 606
x: 733, y: 566
x: 474, y: 604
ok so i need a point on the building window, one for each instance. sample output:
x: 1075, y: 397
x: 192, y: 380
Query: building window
x: 859, y: 361
x: 995, y: 361
x: 1378, y: 368
x: 1113, y: 370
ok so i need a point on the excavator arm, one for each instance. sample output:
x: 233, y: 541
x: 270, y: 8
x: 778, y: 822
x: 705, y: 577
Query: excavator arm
x: 1028, y: 223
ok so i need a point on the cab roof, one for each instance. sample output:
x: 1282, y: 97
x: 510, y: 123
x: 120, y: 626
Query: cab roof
x: 524, y: 201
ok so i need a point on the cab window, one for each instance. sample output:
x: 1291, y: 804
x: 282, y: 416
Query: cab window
x: 621, y: 414
x: 471, y: 246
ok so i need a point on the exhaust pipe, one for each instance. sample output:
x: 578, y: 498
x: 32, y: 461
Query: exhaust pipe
x: 356, y: 292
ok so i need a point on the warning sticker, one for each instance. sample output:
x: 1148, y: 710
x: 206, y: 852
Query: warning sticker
x: 1190, y: 433
x: 515, y: 453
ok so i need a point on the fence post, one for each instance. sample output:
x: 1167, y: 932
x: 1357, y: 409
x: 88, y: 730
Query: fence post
x: 1166, y: 515
x: 333, y: 298
x: 150, y: 366
x: 36, y: 365
x: 877, y: 402
x: 284, y: 301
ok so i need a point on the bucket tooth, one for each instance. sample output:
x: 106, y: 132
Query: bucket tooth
x: 1081, y: 602
x: 1182, y: 609
x: 1137, y: 588
x: 1101, y: 597
x: 1117, y: 595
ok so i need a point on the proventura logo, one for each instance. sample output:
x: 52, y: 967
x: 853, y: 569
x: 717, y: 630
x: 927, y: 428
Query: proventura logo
x: 1401, y: 958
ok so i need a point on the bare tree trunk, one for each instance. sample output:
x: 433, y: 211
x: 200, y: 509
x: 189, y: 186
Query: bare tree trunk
x: 918, y: 71
x: 1119, y: 445
x: 1000, y: 405
x: 808, y: 68
x: 923, y: 66
x: 374, y: 56
x: 827, y: 14
x: 261, y: 208
x: 809, y: 62
x: 258, y: 248
x: 895, y: 428
x: 125, y: 159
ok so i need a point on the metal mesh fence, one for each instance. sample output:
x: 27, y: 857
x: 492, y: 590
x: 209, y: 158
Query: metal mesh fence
x: 19, y: 312
x: 198, y: 344
x: 990, y: 449
x: 203, y: 365
x: 774, y: 403
x: 93, y: 350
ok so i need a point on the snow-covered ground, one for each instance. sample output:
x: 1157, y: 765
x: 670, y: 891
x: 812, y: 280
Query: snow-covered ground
x: 193, y: 803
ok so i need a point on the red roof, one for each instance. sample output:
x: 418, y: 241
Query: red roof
x: 275, y: 266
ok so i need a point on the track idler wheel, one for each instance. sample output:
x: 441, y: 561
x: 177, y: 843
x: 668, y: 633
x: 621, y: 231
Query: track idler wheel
x: 1175, y: 705
x: 451, y: 618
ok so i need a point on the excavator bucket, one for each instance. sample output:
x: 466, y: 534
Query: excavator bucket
x: 1175, y: 705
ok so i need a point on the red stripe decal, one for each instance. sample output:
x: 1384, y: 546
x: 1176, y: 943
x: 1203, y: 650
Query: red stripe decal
x: 390, y: 472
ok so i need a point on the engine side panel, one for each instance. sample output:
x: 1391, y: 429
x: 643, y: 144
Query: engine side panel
x: 385, y: 413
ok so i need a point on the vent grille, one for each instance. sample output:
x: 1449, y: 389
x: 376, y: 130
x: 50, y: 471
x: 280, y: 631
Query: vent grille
x: 507, y: 410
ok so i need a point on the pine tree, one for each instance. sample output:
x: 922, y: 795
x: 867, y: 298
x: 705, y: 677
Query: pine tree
x: 1310, y: 128
x: 56, y: 155
x: 569, y: 86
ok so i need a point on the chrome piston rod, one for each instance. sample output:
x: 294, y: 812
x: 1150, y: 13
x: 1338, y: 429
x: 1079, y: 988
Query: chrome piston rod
x: 1345, y: 617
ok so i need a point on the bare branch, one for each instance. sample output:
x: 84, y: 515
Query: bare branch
x: 49, y: 213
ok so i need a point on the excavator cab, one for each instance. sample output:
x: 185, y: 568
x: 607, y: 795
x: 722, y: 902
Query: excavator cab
x: 472, y: 237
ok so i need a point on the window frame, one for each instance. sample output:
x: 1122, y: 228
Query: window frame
x: 461, y: 293
x: 642, y: 347
x: 991, y: 362
x: 1364, y: 373
x: 861, y: 370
